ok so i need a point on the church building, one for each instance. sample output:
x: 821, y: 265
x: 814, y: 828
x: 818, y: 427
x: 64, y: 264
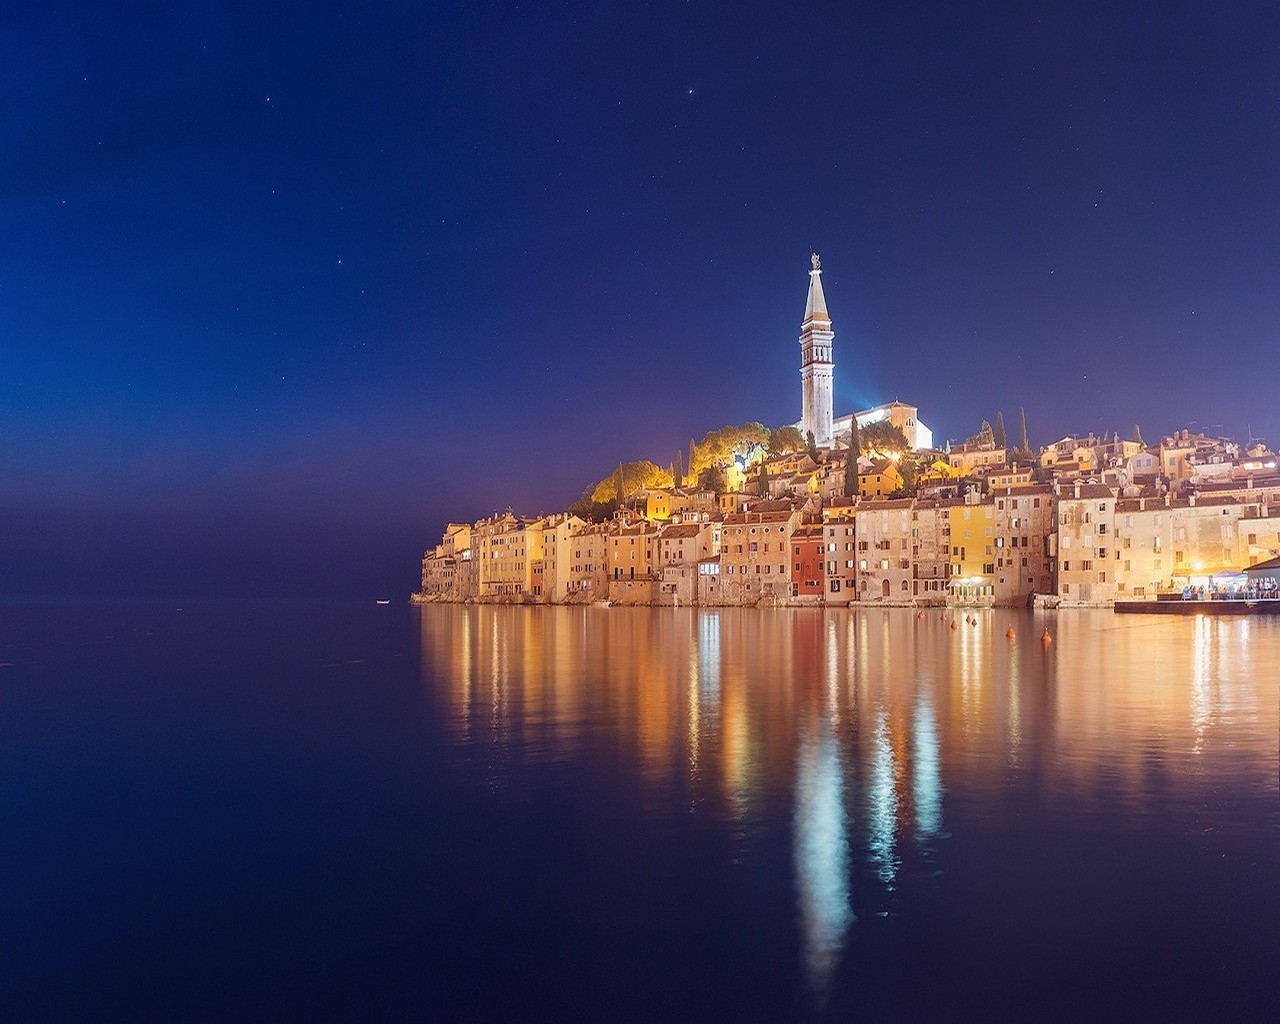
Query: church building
x: 817, y: 368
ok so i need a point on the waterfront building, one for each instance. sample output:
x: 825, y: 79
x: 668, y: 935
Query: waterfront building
x: 1024, y: 529
x: 931, y: 549
x: 1086, y: 549
x: 443, y: 566
x: 807, y: 562
x: 1170, y: 543
x: 588, y: 570
x: 884, y: 551
x: 839, y: 524
x: 755, y: 551
x: 973, y: 564
x: 556, y: 581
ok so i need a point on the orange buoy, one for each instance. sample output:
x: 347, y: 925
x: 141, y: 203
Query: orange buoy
x: 973, y: 622
x: 954, y: 624
x: 943, y: 616
x: 1045, y: 638
x: 1010, y: 634
x: 919, y: 615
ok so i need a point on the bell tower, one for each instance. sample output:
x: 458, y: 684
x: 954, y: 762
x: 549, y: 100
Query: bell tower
x: 816, y: 365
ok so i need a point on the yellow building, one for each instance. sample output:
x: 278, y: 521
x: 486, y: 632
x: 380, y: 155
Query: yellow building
x: 1010, y: 476
x: 972, y: 524
x: 967, y: 459
x: 879, y: 478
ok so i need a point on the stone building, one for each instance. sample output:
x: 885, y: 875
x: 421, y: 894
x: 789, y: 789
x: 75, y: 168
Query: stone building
x: 1086, y: 544
x: 839, y: 527
x: 755, y: 552
x: 884, y: 551
x: 1024, y: 530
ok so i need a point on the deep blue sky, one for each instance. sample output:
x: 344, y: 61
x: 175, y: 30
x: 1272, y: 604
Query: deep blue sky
x: 284, y: 289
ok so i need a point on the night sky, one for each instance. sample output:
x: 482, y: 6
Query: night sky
x: 285, y: 287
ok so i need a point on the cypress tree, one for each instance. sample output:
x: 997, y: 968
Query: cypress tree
x: 1137, y: 436
x: 691, y: 459
x: 621, y: 495
x: 812, y: 442
x: 1022, y: 440
x: 763, y: 485
x: 678, y: 475
x: 851, y: 462
x: 998, y: 434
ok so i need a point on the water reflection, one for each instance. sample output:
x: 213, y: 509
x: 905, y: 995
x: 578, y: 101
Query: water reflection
x: 858, y: 734
x: 928, y: 769
x: 821, y: 853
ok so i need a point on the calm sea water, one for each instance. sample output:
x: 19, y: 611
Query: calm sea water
x: 273, y: 811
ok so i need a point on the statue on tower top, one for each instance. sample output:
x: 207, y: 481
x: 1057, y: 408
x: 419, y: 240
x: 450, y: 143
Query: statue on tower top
x: 817, y: 263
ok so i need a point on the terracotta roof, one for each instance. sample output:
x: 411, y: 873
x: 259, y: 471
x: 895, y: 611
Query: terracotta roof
x: 1270, y: 563
x: 1022, y: 490
x: 751, y: 517
x: 680, y: 530
x: 1090, y: 491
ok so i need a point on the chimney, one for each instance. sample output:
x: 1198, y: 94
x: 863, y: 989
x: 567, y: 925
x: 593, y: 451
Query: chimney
x: 1077, y: 488
x: 1191, y: 498
x: 1142, y: 504
x: 1168, y: 498
x: 1250, y: 483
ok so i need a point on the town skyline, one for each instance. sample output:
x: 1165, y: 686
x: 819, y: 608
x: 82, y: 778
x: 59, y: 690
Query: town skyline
x: 267, y: 296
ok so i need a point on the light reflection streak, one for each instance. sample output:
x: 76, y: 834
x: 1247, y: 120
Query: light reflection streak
x: 821, y: 855
x: 882, y: 804
x: 833, y: 671
x: 1201, y: 702
x: 927, y: 770
x: 695, y: 711
x: 1015, y: 709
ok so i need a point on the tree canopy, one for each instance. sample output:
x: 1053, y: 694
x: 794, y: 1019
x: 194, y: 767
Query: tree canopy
x: 851, y: 462
x: 785, y: 440
x: 718, y: 447
x: 712, y: 479
x: 984, y: 436
x: 634, y: 476
x: 882, y: 436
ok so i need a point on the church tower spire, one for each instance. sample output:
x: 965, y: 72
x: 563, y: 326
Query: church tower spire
x: 816, y: 365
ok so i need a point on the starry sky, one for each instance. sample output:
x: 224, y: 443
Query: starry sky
x: 285, y: 287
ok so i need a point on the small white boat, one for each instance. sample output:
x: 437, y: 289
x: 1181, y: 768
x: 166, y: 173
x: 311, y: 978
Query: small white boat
x: 384, y: 600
